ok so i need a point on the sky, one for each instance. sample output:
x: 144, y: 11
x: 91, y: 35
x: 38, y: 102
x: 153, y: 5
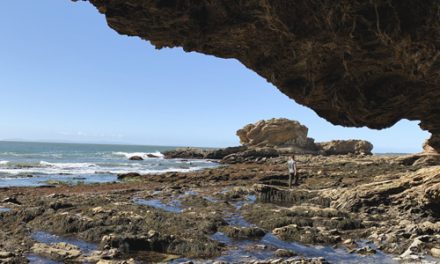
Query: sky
x: 65, y: 76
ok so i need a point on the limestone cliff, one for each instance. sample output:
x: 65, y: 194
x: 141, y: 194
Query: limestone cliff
x: 355, y: 62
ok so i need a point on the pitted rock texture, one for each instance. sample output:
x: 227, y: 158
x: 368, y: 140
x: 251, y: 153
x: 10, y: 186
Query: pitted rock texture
x: 354, y: 62
x: 274, y: 132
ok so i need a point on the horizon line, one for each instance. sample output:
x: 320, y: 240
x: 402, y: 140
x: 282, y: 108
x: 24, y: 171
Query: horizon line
x: 95, y: 143
x: 154, y: 145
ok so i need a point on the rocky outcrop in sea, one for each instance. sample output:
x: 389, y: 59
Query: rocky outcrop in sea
x: 272, y: 138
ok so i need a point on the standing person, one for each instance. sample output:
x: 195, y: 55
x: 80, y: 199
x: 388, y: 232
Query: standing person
x: 291, y: 165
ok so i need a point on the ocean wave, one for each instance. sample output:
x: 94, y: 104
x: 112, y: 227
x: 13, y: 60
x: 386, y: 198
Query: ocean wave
x: 4, y: 162
x: 70, y: 165
x: 45, y: 168
x: 149, y: 171
x: 86, y: 168
x: 45, y: 171
x: 32, y: 155
x: 128, y: 155
x: 88, y: 171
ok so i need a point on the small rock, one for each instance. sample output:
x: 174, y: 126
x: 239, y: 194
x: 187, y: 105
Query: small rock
x: 128, y: 175
x: 5, y: 254
x: 365, y: 250
x: 56, y: 195
x: 152, y: 233
x: 350, y: 243
x: 110, y: 253
x: 243, y: 232
x: 414, y: 249
x: 136, y: 158
x: 12, y: 200
x: 435, y: 252
x: 261, y: 247
x: 58, y: 251
x: 276, y: 261
x: 97, y: 210
x: 284, y: 253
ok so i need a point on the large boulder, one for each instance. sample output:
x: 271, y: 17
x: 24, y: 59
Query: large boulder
x: 343, y: 147
x: 136, y: 158
x: 274, y: 132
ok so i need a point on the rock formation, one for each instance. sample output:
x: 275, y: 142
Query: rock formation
x: 275, y: 132
x: 290, y: 136
x: 342, y: 147
x: 251, y: 155
x: 136, y: 158
x: 355, y: 63
x: 186, y: 153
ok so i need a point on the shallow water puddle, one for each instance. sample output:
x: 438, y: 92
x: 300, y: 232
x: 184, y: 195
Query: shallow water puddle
x: 4, y: 209
x: 35, y: 259
x: 332, y: 255
x: 190, y: 193
x: 248, y: 199
x: 173, y: 207
x: 236, y: 219
x: 46, y: 238
x: 211, y: 199
x: 264, y: 248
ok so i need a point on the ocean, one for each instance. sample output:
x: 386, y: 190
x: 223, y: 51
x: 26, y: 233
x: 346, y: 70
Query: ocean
x: 36, y: 164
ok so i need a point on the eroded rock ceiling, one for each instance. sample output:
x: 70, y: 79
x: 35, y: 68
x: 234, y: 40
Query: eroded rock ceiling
x: 355, y: 62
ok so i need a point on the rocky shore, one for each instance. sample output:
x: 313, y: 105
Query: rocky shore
x: 357, y: 208
x: 349, y: 207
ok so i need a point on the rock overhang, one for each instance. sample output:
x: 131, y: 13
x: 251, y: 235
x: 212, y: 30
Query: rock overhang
x: 354, y: 62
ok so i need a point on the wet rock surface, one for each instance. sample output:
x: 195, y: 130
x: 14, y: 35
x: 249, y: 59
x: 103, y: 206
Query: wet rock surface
x: 136, y: 158
x: 346, y: 209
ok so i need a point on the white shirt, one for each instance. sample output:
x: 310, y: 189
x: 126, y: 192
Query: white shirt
x: 291, y: 164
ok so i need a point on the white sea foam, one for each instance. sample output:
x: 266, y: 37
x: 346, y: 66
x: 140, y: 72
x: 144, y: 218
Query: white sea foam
x: 53, y: 171
x: 69, y: 165
x: 48, y: 168
x: 46, y: 171
x: 128, y: 155
x: 32, y: 155
x: 4, y: 162
x: 150, y: 171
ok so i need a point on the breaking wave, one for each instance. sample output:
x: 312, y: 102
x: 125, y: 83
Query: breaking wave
x: 87, y: 168
x: 144, y: 155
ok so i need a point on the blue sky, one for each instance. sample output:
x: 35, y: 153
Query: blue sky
x: 65, y: 76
